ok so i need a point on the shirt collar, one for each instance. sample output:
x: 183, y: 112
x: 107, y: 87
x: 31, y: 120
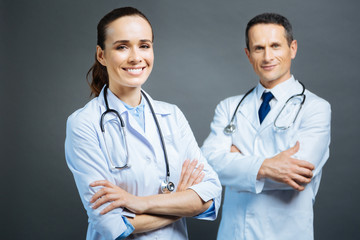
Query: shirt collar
x: 280, y: 91
x: 137, y: 109
x: 117, y: 104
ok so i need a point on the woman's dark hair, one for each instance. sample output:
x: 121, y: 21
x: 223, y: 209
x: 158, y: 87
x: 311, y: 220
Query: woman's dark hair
x: 99, y: 75
x: 271, y: 18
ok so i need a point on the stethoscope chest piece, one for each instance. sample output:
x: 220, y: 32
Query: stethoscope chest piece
x: 167, y: 187
x: 230, y: 129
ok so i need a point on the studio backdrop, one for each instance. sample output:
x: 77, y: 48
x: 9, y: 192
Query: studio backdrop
x: 47, y: 47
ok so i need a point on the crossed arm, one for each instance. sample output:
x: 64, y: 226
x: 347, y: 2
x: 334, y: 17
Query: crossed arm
x: 285, y: 169
x: 156, y: 211
x: 241, y: 171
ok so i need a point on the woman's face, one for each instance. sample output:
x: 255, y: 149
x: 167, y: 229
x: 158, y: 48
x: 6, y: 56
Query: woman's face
x: 128, y: 54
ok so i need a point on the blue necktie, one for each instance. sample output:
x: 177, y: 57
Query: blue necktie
x: 265, y: 106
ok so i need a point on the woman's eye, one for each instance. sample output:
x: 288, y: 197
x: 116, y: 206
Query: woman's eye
x: 121, y: 47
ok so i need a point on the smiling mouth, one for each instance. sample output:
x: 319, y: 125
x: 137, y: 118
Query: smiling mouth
x: 134, y: 70
x: 268, y: 67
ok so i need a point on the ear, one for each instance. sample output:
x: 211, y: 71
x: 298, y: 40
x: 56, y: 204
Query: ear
x: 293, y: 49
x: 100, y: 55
x: 247, y: 53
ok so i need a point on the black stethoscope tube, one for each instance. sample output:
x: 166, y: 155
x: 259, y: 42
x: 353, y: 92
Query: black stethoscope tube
x: 166, y: 186
x: 230, y: 128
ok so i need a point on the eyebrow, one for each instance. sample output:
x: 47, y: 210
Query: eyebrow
x: 262, y: 45
x: 127, y: 41
x: 256, y: 46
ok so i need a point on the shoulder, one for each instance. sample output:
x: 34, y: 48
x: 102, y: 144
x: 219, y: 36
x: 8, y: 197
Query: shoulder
x: 164, y: 107
x: 168, y: 110
x: 230, y: 103
x: 315, y: 102
x: 85, y: 116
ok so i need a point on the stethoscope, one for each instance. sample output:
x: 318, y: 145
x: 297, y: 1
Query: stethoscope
x: 166, y: 186
x: 231, y: 127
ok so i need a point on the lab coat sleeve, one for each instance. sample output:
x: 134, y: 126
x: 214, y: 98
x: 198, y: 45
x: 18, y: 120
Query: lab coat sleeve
x: 87, y: 163
x: 235, y: 170
x: 313, y: 135
x: 210, y: 187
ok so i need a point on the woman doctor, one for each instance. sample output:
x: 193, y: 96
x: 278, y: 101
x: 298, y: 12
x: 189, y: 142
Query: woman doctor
x: 120, y: 172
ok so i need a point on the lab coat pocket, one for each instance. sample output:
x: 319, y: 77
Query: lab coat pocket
x: 284, y: 139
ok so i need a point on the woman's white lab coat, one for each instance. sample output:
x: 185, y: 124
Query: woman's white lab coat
x: 88, y: 160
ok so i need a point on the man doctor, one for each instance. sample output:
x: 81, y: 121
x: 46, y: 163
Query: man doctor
x: 271, y: 165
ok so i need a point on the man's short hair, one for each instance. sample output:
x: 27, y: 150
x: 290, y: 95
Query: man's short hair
x: 270, y: 18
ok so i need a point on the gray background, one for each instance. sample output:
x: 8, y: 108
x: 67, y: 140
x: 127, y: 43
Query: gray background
x: 48, y: 46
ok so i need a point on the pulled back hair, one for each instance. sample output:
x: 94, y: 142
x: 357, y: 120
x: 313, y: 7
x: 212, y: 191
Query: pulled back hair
x: 271, y: 18
x: 98, y: 72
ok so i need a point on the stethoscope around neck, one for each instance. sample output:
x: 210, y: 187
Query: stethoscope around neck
x: 231, y: 127
x: 166, y: 186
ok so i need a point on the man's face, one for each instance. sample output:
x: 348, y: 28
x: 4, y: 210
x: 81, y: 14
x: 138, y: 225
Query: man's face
x: 270, y: 53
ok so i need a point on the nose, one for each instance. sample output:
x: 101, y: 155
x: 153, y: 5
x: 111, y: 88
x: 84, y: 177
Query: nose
x: 268, y: 55
x: 134, y: 56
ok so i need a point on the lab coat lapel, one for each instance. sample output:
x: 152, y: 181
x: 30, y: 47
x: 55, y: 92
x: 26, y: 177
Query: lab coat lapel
x: 248, y: 110
x: 151, y: 129
x: 270, y: 117
x: 290, y: 90
x: 130, y: 123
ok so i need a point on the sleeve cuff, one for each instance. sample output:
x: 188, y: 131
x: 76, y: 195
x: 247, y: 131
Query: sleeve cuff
x: 129, y: 229
x: 208, y: 213
x: 259, y: 184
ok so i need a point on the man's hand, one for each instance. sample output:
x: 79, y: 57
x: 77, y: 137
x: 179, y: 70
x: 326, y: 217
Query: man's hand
x: 283, y: 168
x: 234, y: 149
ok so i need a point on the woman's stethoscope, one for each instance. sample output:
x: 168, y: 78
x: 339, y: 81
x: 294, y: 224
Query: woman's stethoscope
x: 294, y: 101
x: 166, y: 186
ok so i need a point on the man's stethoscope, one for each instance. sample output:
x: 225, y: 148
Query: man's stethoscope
x: 166, y: 186
x: 289, y: 111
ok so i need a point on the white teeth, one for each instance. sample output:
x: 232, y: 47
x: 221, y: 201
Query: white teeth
x: 134, y: 70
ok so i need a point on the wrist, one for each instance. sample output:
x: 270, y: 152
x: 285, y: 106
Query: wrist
x: 262, y: 171
x: 145, y: 204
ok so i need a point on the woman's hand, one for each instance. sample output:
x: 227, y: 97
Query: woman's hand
x: 189, y: 177
x: 118, y: 198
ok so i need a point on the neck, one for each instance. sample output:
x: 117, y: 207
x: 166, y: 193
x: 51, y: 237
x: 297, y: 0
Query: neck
x: 129, y: 95
x: 274, y: 83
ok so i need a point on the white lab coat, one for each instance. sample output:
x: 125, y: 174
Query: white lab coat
x: 264, y: 209
x: 88, y: 160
